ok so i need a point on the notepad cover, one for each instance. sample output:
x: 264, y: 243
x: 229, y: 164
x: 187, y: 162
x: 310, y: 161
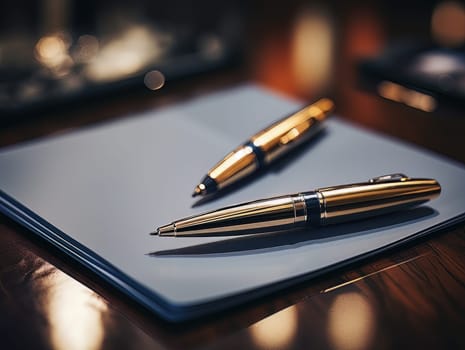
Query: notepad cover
x: 96, y: 194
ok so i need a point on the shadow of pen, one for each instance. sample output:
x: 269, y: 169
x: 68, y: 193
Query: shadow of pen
x: 274, y: 167
x: 278, y: 240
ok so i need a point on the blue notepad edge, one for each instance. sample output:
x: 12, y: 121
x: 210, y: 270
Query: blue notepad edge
x: 149, y: 299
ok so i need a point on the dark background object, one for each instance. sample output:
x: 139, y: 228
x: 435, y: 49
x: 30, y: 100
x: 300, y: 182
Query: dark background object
x: 428, y: 77
x: 63, y: 53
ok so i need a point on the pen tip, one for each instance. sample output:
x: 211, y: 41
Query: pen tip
x: 154, y: 233
x: 167, y: 230
x: 201, y: 189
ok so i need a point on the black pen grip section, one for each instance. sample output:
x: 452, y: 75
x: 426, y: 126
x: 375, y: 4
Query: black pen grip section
x: 313, y: 208
x: 259, y: 154
x: 210, y: 184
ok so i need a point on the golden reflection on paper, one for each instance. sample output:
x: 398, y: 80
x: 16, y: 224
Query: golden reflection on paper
x: 277, y: 331
x: 351, y: 322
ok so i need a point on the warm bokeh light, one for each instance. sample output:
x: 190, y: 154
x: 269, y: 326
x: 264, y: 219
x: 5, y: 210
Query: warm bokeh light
x: 448, y: 23
x: 351, y: 322
x: 154, y: 80
x: 51, y: 50
x: 75, y: 314
x: 312, y: 50
x: 126, y: 54
x: 87, y: 47
x: 277, y: 331
x: 412, y: 98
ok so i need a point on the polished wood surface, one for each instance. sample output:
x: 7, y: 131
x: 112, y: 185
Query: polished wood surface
x: 410, y: 297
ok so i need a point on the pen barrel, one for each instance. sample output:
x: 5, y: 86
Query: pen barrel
x: 288, y: 133
x: 258, y: 216
x: 236, y: 165
x: 357, y: 201
x: 270, y: 144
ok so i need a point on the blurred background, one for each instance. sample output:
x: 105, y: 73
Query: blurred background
x: 62, y: 55
x: 60, y: 51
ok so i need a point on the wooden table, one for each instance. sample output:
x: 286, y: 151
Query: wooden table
x: 412, y: 297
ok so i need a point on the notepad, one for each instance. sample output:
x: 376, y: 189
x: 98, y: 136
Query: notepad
x: 97, y: 193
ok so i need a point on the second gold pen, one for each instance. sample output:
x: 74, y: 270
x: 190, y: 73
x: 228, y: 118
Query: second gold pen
x: 265, y: 147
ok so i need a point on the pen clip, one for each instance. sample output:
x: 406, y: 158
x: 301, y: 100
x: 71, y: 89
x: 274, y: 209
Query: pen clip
x: 398, y: 177
x: 294, y: 133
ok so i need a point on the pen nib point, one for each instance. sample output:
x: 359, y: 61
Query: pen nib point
x: 167, y: 230
x: 200, y: 190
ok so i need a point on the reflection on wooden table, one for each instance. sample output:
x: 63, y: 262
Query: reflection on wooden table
x: 389, y: 302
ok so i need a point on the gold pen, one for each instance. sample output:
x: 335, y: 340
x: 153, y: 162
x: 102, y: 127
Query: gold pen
x: 265, y: 147
x: 323, y: 206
